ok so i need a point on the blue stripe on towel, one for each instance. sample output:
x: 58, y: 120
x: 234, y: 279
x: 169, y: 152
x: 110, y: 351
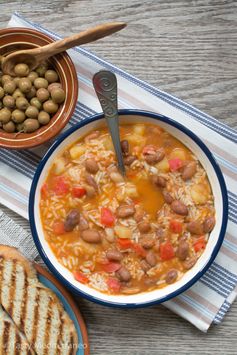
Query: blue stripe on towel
x: 222, y: 311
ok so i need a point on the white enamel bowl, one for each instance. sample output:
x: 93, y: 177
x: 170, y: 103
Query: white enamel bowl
x: 216, y: 237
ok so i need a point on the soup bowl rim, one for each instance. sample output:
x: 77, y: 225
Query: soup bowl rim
x: 100, y: 300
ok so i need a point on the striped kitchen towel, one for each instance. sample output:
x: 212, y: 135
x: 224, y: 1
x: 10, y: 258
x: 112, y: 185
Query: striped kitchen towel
x: 210, y: 298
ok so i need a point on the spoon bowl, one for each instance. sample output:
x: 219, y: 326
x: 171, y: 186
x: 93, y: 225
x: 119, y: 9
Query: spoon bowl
x: 22, y: 57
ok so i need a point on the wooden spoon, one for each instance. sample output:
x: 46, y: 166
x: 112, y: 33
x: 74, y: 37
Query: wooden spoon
x: 33, y: 57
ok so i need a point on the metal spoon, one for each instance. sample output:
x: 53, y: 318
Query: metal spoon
x: 33, y: 57
x: 105, y: 85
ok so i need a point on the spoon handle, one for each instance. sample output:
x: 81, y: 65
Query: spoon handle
x: 87, y: 36
x: 105, y: 85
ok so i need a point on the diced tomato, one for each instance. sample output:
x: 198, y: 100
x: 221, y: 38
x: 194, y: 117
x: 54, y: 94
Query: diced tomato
x: 58, y: 228
x: 131, y: 174
x: 176, y: 226
x: 107, y: 217
x: 60, y: 185
x: 199, y: 244
x: 113, y: 284
x: 139, y: 250
x: 78, y: 191
x: 111, y: 267
x: 136, y: 201
x: 166, y: 251
x: 44, y: 190
x: 175, y: 164
x: 79, y: 276
x: 124, y: 243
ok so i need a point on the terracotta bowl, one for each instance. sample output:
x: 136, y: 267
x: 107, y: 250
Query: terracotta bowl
x: 12, y: 39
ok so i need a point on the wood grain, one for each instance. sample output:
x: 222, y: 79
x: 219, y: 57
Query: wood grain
x: 187, y: 48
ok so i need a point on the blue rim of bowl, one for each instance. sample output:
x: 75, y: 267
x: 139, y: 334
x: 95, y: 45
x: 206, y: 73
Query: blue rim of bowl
x: 158, y: 117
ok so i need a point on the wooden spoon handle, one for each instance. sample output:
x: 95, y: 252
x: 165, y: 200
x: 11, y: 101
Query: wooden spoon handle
x: 87, y: 36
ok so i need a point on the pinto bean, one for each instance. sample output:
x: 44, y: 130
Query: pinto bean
x: 147, y: 242
x: 138, y: 215
x: 144, y: 265
x: 123, y: 274
x: 171, y: 276
x: 92, y: 135
x: 209, y: 224
x: 129, y: 159
x: 91, y: 166
x: 91, y: 181
x: 155, y: 156
x: 167, y: 197
x: 114, y: 254
x: 144, y: 227
x: 179, y: 208
x: 125, y: 211
x: 183, y: 250
x: 151, y: 258
x: 195, y: 227
x: 125, y: 146
x: 189, y: 170
x: 91, y: 236
x: 83, y: 224
x: 90, y: 191
x: 159, y: 181
x: 189, y: 263
x: 71, y: 220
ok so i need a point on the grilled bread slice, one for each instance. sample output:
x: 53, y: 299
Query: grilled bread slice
x: 12, y: 341
x: 34, y: 309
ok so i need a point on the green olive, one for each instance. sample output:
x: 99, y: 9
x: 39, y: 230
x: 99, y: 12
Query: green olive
x: 9, y: 87
x: 25, y: 85
x: 5, y: 115
x: 42, y: 94
x: 22, y: 103
x: 36, y: 103
x: 58, y: 95
x: 40, y: 83
x: 30, y: 125
x: 9, y: 101
x: 9, y: 127
x: 43, y: 117
x: 32, y: 76
x: 6, y: 78
x: 21, y: 69
x: 41, y: 69
x: 32, y: 112
x: 31, y: 93
x: 18, y: 116
x: 50, y: 106
x: 17, y: 93
x: 16, y: 80
x: 51, y: 76
x: 2, y: 93
x: 20, y: 127
x: 54, y: 86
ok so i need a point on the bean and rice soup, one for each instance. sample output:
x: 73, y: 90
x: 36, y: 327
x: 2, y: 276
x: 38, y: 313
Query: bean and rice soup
x: 126, y: 235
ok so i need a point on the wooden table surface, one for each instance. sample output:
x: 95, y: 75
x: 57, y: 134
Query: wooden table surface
x: 189, y: 49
